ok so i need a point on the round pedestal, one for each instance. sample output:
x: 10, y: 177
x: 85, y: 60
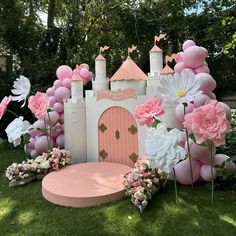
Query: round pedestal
x: 86, y: 184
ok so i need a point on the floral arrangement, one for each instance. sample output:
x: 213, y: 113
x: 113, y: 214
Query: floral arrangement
x: 189, y: 152
x: 25, y: 172
x: 143, y: 182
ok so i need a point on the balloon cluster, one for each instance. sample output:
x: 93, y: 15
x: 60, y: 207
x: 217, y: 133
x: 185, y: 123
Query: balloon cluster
x: 41, y: 135
x: 192, y: 58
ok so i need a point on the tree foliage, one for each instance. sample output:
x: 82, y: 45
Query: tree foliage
x: 76, y: 29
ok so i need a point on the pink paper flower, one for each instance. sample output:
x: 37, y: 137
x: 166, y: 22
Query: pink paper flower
x: 145, y: 112
x: 208, y: 123
x: 3, y: 105
x: 39, y: 105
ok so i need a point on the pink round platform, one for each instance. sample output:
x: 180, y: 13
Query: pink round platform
x: 86, y: 184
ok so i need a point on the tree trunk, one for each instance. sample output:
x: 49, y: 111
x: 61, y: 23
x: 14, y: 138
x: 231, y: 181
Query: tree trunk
x: 51, y: 13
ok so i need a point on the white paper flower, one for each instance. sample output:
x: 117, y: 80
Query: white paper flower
x: 183, y: 88
x: 21, y: 89
x: 17, y: 128
x: 162, y: 147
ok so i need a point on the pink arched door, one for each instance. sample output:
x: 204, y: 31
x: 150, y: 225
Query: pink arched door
x: 117, y: 136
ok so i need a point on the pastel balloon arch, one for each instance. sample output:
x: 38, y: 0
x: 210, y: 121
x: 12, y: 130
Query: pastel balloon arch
x: 60, y: 90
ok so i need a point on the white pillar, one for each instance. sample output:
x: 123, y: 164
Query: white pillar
x: 156, y: 60
x: 76, y: 90
x: 101, y: 82
x: 100, y: 68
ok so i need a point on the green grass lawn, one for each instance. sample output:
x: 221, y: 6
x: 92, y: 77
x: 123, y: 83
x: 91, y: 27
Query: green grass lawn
x: 23, y: 211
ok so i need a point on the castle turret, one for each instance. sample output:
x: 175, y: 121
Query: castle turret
x: 101, y: 81
x: 156, y: 60
x: 75, y: 122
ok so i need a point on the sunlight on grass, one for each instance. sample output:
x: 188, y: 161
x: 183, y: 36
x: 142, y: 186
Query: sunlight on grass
x: 195, y: 223
x: 228, y: 220
x: 25, y: 217
x: 6, y: 207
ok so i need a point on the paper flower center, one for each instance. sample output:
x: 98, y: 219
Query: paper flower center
x: 181, y: 93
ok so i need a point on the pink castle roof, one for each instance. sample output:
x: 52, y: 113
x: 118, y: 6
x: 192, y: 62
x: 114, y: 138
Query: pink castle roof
x: 155, y: 49
x: 167, y: 70
x: 129, y: 70
x: 100, y: 58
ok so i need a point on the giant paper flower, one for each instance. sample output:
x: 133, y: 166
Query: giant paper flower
x: 162, y: 147
x: 147, y: 111
x: 3, y: 105
x: 183, y: 88
x: 208, y: 123
x: 21, y: 89
x: 39, y: 105
x: 16, y: 129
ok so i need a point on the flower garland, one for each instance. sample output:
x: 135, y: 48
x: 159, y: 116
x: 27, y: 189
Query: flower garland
x: 22, y: 173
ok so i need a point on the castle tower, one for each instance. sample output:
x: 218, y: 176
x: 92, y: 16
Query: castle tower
x: 75, y: 123
x: 129, y: 75
x: 156, y: 60
x: 101, y: 81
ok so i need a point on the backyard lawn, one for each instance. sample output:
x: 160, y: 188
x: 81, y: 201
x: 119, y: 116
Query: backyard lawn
x: 23, y: 211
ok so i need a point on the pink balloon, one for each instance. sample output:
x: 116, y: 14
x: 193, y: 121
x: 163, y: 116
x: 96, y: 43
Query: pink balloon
x: 226, y: 109
x: 207, y: 82
x: 34, y: 153
x: 183, y: 173
x: 62, y: 93
x: 85, y: 81
x: 50, y: 92
x: 229, y: 165
x: 58, y: 107
x: 179, y: 57
x: 205, y: 51
x: 205, y: 173
x: 179, y: 110
x: 41, y: 144
x: 202, y: 69
x: 200, y: 100
x: 33, y: 132
x: 62, y: 118
x: 187, y: 44
x: 52, y: 101
x: 60, y: 141
x: 56, y: 130
x: 90, y: 76
x: 63, y: 72
x: 194, y: 57
x: 41, y: 125
x: 198, y: 152
x: 54, y: 116
x: 84, y: 65
x: 67, y: 83
x: 84, y: 73
x: 211, y: 95
x: 219, y: 159
x: 189, y: 70
x: 57, y: 84
x: 31, y: 143
x: 179, y: 67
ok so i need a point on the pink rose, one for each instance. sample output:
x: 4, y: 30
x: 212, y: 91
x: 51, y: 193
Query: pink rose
x: 39, y: 105
x: 145, y: 112
x: 208, y: 123
x: 55, y: 166
x: 3, y: 105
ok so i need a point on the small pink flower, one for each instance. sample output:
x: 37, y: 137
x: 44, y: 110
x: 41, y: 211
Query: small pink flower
x: 39, y: 105
x: 3, y: 105
x: 55, y: 166
x: 208, y: 123
x: 147, y: 111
